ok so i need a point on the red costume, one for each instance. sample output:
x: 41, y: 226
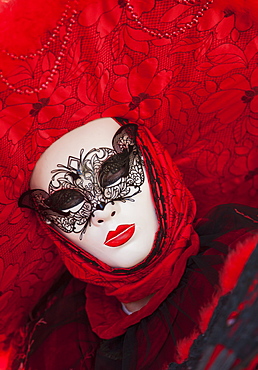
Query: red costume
x: 186, y: 70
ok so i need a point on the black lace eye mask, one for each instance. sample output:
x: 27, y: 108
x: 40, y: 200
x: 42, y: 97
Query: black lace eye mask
x: 88, y: 183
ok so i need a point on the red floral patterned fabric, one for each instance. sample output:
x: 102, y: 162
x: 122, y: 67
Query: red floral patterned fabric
x: 197, y: 93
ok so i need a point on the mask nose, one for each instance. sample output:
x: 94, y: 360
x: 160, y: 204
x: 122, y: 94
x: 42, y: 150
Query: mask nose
x: 104, y: 213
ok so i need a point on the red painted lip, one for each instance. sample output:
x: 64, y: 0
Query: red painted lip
x: 120, y: 236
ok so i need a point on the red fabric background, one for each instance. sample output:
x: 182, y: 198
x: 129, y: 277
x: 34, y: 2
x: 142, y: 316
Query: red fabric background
x: 197, y: 93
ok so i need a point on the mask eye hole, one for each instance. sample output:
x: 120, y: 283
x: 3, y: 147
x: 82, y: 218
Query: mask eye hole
x: 64, y: 199
x: 114, y: 168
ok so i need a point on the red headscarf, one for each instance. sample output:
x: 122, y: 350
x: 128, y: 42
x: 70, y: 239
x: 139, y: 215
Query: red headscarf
x: 161, y: 271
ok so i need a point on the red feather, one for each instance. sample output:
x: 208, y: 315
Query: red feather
x: 229, y: 276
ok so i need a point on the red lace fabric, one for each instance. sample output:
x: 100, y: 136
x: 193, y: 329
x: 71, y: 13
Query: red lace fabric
x: 197, y: 93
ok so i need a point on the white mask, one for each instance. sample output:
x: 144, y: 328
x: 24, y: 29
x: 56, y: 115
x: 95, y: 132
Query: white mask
x: 96, y: 193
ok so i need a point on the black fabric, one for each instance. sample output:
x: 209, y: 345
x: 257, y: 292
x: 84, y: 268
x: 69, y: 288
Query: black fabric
x: 237, y: 333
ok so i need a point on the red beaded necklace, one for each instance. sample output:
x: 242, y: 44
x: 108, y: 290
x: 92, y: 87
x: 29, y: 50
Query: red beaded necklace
x: 68, y: 16
x: 177, y: 32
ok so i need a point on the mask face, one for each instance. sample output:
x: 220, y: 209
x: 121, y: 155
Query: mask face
x: 92, y: 187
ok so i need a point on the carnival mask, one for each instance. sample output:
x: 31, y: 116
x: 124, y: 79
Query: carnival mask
x: 91, y: 186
